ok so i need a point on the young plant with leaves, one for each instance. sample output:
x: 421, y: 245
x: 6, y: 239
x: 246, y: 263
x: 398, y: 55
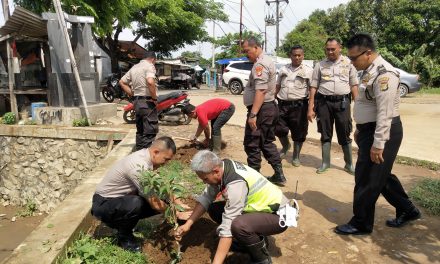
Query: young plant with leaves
x: 164, y: 184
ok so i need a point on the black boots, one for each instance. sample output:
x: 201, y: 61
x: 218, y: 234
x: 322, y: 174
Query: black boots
x: 259, y: 253
x: 348, y: 158
x: 128, y: 242
x: 404, y: 218
x: 326, y: 146
x: 286, y: 146
x: 278, y: 177
x: 296, y: 150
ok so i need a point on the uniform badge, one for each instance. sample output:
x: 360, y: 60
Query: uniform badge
x: 366, y: 78
x: 383, y: 83
x: 259, y: 70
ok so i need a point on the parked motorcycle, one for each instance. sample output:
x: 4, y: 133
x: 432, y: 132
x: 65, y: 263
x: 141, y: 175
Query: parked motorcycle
x: 113, y: 90
x: 169, y: 109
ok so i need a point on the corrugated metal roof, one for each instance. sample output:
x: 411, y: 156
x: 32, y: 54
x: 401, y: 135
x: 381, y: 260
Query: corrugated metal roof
x: 24, y: 22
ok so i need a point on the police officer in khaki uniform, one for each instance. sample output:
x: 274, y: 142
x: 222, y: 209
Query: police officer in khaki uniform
x: 143, y: 89
x: 292, y: 92
x: 378, y: 135
x: 259, y: 98
x: 334, y: 84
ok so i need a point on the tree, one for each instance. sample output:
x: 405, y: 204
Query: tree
x: 309, y: 35
x: 229, y: 44
x: 167, y: 25
x: 195, y: 55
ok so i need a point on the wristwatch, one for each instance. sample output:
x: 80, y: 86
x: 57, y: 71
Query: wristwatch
x: 252, y: 115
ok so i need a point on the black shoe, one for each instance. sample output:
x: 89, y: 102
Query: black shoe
x: 128, y: 242
x: 237, y: 247
x: 278, y: 177
x: 404, y: 218
x: 348, y: 229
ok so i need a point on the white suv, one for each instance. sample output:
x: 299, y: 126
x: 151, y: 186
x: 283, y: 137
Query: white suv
x: 236, y: 75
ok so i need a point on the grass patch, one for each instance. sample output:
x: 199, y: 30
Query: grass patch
x: 192, y: 183
x: 427, y: 194
x: 430, y: 90
x: 29, y: 209
x: 419, y: 163
x: 99, y: 251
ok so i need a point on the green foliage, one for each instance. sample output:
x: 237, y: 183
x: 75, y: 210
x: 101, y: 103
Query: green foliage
x: 420, y: 163
x: 229, y: 44
x: 88, y: 250
x: 309, y: 35
x: 427, y: 194
x: 29, y: 209
x: 9, y: 118
x: 82, y: 122
x: 430, y: 90
x: 30, y: 122
x: 195, y: 55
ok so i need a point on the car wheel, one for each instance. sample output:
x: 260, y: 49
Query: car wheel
x: 235, y: 87
x: 403, y: 90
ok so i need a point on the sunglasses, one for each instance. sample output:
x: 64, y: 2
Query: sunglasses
x: 353, y: 58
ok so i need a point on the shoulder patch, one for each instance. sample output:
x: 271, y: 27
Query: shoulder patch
x: 259, y: 70
x: 383, y: 83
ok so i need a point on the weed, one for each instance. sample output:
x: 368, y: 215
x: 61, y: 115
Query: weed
x: 82, y: 122
x: 30, y: 122
x: 427, y: 194
x: 419, y: 163
x: 9, y: 118
x: 88, y: 250
x: 430, y: 90
x: 29, y: 209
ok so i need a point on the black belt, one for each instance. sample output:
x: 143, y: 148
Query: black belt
x: 292, y: 102
x: 250, y: 106
x: 395, y: 120
x: 142, y: 97
x: 332, y: 98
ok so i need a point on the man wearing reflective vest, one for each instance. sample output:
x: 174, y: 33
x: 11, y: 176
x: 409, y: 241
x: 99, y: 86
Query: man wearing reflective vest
x: 246, y: 214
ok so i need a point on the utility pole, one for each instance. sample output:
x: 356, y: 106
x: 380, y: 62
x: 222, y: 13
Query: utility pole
x: 11, y: 79
x: 213, y: 45
x: 277, y: 21
x: 241, y: 27
x: 62, y: 23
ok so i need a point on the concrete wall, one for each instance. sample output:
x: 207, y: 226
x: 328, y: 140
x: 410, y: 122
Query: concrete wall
x: 45, y: 169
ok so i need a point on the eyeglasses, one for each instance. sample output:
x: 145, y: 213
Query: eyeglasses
x: 353, y: 58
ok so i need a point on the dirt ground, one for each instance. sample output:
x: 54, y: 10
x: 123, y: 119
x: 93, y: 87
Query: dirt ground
x: 13, y: 233
x: 326, y: 201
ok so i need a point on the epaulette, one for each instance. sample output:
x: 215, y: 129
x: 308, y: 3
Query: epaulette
x: 382, y: 70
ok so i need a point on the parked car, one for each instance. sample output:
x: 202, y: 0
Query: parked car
x: 409, y: 83
x: 236, y: 75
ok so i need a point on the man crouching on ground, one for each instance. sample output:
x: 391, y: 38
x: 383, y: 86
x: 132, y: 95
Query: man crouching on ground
x: 119, y: 200
x: 247, y: 213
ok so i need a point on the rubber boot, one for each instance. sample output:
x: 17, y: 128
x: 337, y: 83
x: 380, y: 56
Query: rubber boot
x: 259, y: 253
x: 348, y: 158
x: 296, y: 150
x: 325, y: 157
x: 278, y: 177
x: 127, y: 241
x: 286, y: 146
x: 216, y: 144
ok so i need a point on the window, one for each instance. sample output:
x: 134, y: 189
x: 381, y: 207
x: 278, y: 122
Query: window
x: 242, y: 66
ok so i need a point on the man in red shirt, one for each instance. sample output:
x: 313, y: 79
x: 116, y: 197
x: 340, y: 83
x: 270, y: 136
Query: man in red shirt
x: 218, y: 111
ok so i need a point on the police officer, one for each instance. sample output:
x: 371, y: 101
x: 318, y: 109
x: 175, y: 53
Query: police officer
x: 259, y: 98
x: 248, y: 212
x: 143, y: 89
x: 378, y: 135
x: 292, y: 91
x: 334, y: 84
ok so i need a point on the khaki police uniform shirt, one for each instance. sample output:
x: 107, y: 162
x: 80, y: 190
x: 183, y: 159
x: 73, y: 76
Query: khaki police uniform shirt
x: 294, y: 82
x: 262, y: 77
x: 378, y: 99
x: 138, y: 75
x: 334, y: 78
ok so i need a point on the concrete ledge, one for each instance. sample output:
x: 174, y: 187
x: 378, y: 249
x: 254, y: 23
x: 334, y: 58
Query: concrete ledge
x: 85, y: 133
x: 44, y: 245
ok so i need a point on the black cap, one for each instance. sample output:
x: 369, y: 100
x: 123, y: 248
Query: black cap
x: 188, y: 109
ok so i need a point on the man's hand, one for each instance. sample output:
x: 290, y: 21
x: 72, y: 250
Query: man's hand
x: 376, y: 155
x: 181, y: 231
x: 311, y: 114
x: 252, y: 123
x: 193, y: 139
x: 184, y: 215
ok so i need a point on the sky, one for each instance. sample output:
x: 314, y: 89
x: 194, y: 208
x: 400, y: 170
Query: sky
x: 254, y: 13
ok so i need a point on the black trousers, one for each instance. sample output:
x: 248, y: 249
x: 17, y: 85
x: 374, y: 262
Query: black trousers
x: 220, y: 121
x: 336, y: 112
x: 373, y: 179
x: 147, y: 123
x: 121, y: 213
x: 293, y: 117
x: 247, y: 228
x: 261, y: 140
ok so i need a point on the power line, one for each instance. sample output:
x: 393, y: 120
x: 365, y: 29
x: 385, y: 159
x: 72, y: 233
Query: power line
x: 255, y: 23
x: 290, y: 7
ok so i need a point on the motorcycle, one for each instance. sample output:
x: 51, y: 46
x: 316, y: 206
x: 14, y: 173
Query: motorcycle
x: 169, y: 109
x: 113, y: 90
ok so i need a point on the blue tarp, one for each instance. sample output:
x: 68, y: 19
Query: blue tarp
x: 226, y: 61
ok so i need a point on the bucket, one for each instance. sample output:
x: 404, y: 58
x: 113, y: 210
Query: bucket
x: 34, y: 106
